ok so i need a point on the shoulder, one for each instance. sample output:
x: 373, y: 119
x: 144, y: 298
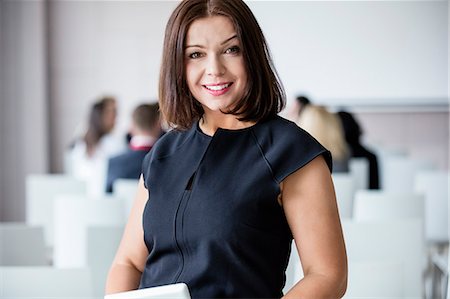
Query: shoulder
x: 282, y: 134
x: 287, y: 147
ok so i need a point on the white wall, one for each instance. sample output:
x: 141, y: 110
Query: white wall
x: 359, y: 52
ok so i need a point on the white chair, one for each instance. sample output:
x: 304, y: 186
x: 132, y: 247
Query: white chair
x: 127, y: 190
x: 359, y: 168
x: 400, y: 172
x: 435, y: 186
x: 344, y: 187
x: 102, y: 244
x: 41, y: 190
x: 375, y: 205
x: 45, y: 282
x: 398, y: 241
x: 16, y: 240
x: 73, y: 214
x: 375, y: 280
x: 383, y: 154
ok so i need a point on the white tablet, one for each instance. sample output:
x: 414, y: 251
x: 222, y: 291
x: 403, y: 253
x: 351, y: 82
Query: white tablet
x: 174, y: 291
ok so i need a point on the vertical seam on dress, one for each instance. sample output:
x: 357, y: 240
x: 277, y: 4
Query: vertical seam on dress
x: 264, y: 157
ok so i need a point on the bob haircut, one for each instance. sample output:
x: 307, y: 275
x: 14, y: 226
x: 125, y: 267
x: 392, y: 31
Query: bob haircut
x: 264, y: 96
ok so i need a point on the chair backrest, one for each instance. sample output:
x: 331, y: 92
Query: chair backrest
x: 127, y: 190
x: 345, y: 188
x: 375, y: 280
x: 379, y: 205
x: 41, y: 190
x: 45, y: 282
x: 383, y: 154
x: 389, y: 241
x: 102, y: 244
x: 359, y: 168
x: 73, y: 215
x: 400, y: 172
x: 16, y: 239
x: 435, y: 186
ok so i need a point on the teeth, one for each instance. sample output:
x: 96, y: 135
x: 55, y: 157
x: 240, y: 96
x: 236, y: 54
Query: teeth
x: 217, y: 87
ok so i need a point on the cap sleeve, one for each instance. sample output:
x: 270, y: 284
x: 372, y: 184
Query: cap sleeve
x: 288, y: 148
x: 146, y: 167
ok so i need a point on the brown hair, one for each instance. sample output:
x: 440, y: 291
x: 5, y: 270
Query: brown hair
x: 264, y: 96
x: 96, y: 127
x: 146, y: 116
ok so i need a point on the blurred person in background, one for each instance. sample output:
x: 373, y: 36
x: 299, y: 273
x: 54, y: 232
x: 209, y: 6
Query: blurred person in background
x: 353, y: 133
x: 301, y: 101
x: 89, y: 154
x: 145, y: 130
x: 326, y: 127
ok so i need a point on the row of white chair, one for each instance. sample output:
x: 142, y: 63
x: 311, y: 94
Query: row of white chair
x: 23, y: 246
x: 386, y: 259
x: 428, y: 200
x: 43, y: 189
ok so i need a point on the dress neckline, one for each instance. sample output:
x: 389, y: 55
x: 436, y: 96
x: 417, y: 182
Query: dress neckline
x: 199, y: 130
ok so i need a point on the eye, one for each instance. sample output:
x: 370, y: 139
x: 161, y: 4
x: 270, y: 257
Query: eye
x: 195, y: 55
x: 233, y: 50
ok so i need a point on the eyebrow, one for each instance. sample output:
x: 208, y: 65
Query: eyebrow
x: 222, y: 43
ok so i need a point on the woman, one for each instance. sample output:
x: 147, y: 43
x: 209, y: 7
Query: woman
x: 222, y: 195
x: 89, y: 155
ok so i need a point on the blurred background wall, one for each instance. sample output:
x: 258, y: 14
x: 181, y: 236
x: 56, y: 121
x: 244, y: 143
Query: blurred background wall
x: 387, y: 61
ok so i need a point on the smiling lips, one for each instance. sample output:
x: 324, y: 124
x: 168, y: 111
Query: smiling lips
x: 218, y: 89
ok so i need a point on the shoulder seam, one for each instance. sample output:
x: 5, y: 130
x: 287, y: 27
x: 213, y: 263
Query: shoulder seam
x: 264, y: 157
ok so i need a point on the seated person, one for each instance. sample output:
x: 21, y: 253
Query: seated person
x: 88, y: 155
x: 145, y: 130
x: 353, y: 133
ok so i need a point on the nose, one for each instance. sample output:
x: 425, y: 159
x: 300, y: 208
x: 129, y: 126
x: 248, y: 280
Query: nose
x: 215, y: 66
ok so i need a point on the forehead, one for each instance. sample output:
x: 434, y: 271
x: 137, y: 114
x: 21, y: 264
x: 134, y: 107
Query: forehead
x: 210, y: 29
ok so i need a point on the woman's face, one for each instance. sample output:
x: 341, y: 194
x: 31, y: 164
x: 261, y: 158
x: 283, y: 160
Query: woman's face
x: 215, y: 67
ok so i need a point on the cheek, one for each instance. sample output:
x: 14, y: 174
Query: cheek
x: 191, y: 76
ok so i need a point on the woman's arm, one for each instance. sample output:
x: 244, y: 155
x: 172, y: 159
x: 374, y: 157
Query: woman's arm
x: 129, y: 262
x: 309, y: 203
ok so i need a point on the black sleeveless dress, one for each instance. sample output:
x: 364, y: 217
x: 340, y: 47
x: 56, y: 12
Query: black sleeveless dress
x: 212, y: 219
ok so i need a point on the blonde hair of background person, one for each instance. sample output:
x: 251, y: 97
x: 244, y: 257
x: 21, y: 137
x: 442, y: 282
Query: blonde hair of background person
x: 224, y: 194
x: 327, y: 128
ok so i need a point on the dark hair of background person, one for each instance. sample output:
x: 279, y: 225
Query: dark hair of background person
x: 351, y: 127
x: 264, y: 96
x: 145, y: 116
x: 96, y: 126
x: 353, y: 133
x: 302, y: 100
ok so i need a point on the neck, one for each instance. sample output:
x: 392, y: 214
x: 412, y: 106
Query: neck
x: 210, y: 123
